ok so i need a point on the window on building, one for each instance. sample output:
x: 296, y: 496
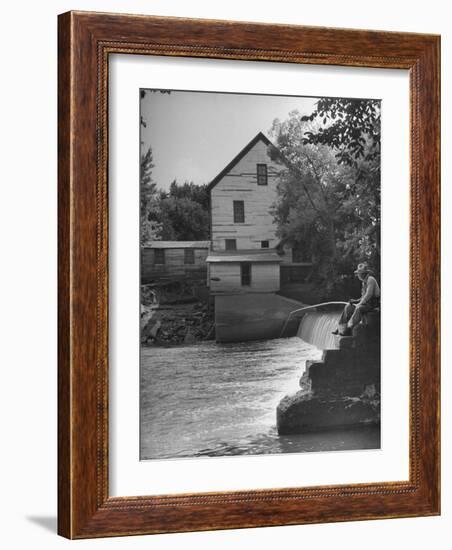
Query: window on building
x: 159, y: 256
x: 231, y: 244
x: 189, y: 256
x: 262, y: 178
x: 265, y: 244
x: 245, y: 274
x: 239, y: 212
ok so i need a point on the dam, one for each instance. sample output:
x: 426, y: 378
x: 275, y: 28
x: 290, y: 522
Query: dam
x: 257, y: 316
x: 342, y: 389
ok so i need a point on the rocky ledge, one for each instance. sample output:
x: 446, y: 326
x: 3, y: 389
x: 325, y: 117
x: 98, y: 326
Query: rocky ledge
x: 342, y: 390
x: 173, y: 316
x: 305, y: 412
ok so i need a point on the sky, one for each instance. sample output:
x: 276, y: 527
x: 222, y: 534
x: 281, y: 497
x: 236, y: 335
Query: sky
x: 194, y: 135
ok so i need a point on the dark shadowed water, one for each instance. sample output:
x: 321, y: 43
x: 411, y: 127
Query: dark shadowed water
x: 214, y: 399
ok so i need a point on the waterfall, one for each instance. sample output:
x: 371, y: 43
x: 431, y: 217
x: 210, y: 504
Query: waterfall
x: 316, y: 327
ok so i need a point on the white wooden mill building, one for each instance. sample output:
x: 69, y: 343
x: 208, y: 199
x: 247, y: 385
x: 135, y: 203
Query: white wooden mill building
x: 244, y: 256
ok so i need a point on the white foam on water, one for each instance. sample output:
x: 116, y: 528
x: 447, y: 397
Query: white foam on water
x: 317, y: 327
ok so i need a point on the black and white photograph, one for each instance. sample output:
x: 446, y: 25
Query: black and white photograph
x: 225, y: 233
x: 259, y: 273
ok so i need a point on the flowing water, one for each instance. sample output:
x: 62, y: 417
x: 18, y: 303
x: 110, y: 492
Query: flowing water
x: 212, y: 399
x: 317, y: 326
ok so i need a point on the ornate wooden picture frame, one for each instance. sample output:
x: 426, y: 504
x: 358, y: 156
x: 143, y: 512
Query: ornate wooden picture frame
x: 86, y: 41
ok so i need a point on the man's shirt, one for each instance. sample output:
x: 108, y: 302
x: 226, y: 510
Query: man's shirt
x: 369, y: 289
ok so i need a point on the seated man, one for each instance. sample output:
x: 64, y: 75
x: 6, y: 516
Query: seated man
x: 370, y: 299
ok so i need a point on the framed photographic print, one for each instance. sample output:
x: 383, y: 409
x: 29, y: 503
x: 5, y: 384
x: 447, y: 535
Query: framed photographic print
x: 248, y: 275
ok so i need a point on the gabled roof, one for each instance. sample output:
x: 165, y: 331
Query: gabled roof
x: 259, y: 137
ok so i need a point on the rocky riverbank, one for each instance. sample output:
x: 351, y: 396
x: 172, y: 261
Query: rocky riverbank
x: 307, y: 412
x: 173, y: 318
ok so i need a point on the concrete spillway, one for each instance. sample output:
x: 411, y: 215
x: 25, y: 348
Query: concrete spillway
x: 316, y: 328
x: 253, y: 316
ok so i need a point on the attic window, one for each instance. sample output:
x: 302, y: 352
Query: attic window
x: 265, y: 244
x: 262, y: 178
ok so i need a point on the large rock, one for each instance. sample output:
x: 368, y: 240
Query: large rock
x: 307, y: 412
x: 340, y: 390
x: 150, y: 330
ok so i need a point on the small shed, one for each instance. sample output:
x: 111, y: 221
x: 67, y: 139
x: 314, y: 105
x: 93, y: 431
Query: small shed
x: 243, y: 271
x: 174, y: 260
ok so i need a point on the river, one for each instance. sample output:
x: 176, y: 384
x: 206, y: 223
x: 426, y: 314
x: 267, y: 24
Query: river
x: 212, y: 399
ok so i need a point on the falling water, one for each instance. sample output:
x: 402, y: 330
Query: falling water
x: 316, y: 328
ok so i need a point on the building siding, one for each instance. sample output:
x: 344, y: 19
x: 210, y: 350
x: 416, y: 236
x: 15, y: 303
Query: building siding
x: 174, y: 265
x: 240, y: 183
x: 264, y: 278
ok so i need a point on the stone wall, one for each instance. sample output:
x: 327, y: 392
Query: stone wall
x: 341, y: 390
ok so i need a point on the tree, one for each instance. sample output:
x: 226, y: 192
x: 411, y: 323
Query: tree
x: 143, y: 95
x: 329, y: 195
x: 307, y: 211
x: 188, y: 190
x: 352, y: 127
x: 150, y: 228
x: 184, y: 212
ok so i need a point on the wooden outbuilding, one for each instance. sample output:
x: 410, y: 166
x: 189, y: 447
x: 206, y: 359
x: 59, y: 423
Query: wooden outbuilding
x: 172, y: 260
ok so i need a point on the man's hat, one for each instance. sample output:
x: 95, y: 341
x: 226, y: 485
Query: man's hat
x: 362, y: 268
